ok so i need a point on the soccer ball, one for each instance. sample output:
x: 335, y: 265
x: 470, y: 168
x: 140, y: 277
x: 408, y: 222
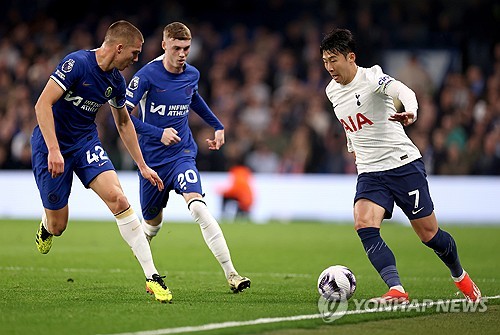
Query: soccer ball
x: 336, y: 283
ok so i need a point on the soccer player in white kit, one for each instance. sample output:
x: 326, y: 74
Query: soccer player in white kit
x: 390, y: 168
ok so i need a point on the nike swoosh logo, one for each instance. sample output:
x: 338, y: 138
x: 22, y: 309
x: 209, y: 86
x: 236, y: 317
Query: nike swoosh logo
x: 160, y: 90
x: 86, y: 84
x: 135, y: 227
x: 418, y: 210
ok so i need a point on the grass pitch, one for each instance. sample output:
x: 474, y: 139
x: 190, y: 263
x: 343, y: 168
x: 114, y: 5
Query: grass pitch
x: 90, y: 283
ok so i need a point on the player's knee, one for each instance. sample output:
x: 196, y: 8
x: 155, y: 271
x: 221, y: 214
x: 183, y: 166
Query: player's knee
x: 57, y: 226
x: 201, y: 214
x: 119, y: 203
x: 196, y: 205
x: 156, y: 221
x: 360, y: 223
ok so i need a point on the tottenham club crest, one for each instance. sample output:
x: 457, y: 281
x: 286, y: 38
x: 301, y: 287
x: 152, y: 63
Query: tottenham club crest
x: 68, y: 65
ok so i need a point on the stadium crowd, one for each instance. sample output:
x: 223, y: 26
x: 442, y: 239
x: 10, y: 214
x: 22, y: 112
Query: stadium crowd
x: 262, y: 75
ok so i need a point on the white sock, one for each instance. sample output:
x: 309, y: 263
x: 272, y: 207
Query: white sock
x: 130, y: 229
x: 456, y: 280
x: 398, y: 287
x: 150, y: 230
x: 214, y: 238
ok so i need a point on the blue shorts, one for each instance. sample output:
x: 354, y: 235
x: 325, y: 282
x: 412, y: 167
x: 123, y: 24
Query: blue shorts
x: 87, y: 163
x: 181, y: 175
x: 406, y: 186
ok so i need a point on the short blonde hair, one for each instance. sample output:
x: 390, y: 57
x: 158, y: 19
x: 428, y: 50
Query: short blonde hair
x: 177, y: 31
x: 123, y: 31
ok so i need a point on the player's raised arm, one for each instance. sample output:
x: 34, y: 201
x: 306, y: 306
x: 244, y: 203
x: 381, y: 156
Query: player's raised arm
x: 403, y: 93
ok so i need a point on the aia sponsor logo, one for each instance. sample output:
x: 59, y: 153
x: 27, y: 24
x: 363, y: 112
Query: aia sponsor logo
x: 355, y: 123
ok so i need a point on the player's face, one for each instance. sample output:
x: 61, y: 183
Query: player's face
x: 176, y: 53
x: 340, y: 67
x: 128, y: 54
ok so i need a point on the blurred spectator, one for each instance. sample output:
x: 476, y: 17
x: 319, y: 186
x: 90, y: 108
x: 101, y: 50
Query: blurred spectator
x: 266, y: 79
x: 455, y: 163
x: 261, y: 159
x: 475, y: 80
x: 439, y: 152
x: 299, y: 151
x: 489, y: 162
x: 415, y: 75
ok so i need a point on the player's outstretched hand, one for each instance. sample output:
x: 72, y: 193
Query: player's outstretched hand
x: 152, y: 176
x: 169, y: 136
x: 218, y: 141
x: 406, y: 118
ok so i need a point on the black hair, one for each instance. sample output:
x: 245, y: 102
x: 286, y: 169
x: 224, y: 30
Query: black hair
x: 338, y: 41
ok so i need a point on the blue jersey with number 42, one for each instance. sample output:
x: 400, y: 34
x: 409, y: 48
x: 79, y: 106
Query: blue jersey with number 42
x: 86, y: 88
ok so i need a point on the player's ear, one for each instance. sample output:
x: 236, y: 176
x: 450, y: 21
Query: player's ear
x: 351, y: 57
x: 164, y: 45
x: 119, y: 48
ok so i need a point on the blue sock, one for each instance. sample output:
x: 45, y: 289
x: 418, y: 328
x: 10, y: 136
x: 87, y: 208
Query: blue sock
x: 445, y: 248
x: 380, y: 255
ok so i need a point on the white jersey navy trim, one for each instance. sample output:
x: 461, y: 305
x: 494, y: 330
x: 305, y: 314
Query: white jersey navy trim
x: 363, y: 107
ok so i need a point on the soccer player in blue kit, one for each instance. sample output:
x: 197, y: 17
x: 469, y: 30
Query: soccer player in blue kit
x: 66, y: 141
x: 165, y: 90
x: 390, y: 168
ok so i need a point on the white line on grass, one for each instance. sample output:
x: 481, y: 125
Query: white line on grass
x: 230, y: 324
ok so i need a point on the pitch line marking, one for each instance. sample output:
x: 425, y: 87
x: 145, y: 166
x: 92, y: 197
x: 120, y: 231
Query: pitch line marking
x: 230, y: 324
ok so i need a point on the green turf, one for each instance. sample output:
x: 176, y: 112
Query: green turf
x: 90, y: 282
